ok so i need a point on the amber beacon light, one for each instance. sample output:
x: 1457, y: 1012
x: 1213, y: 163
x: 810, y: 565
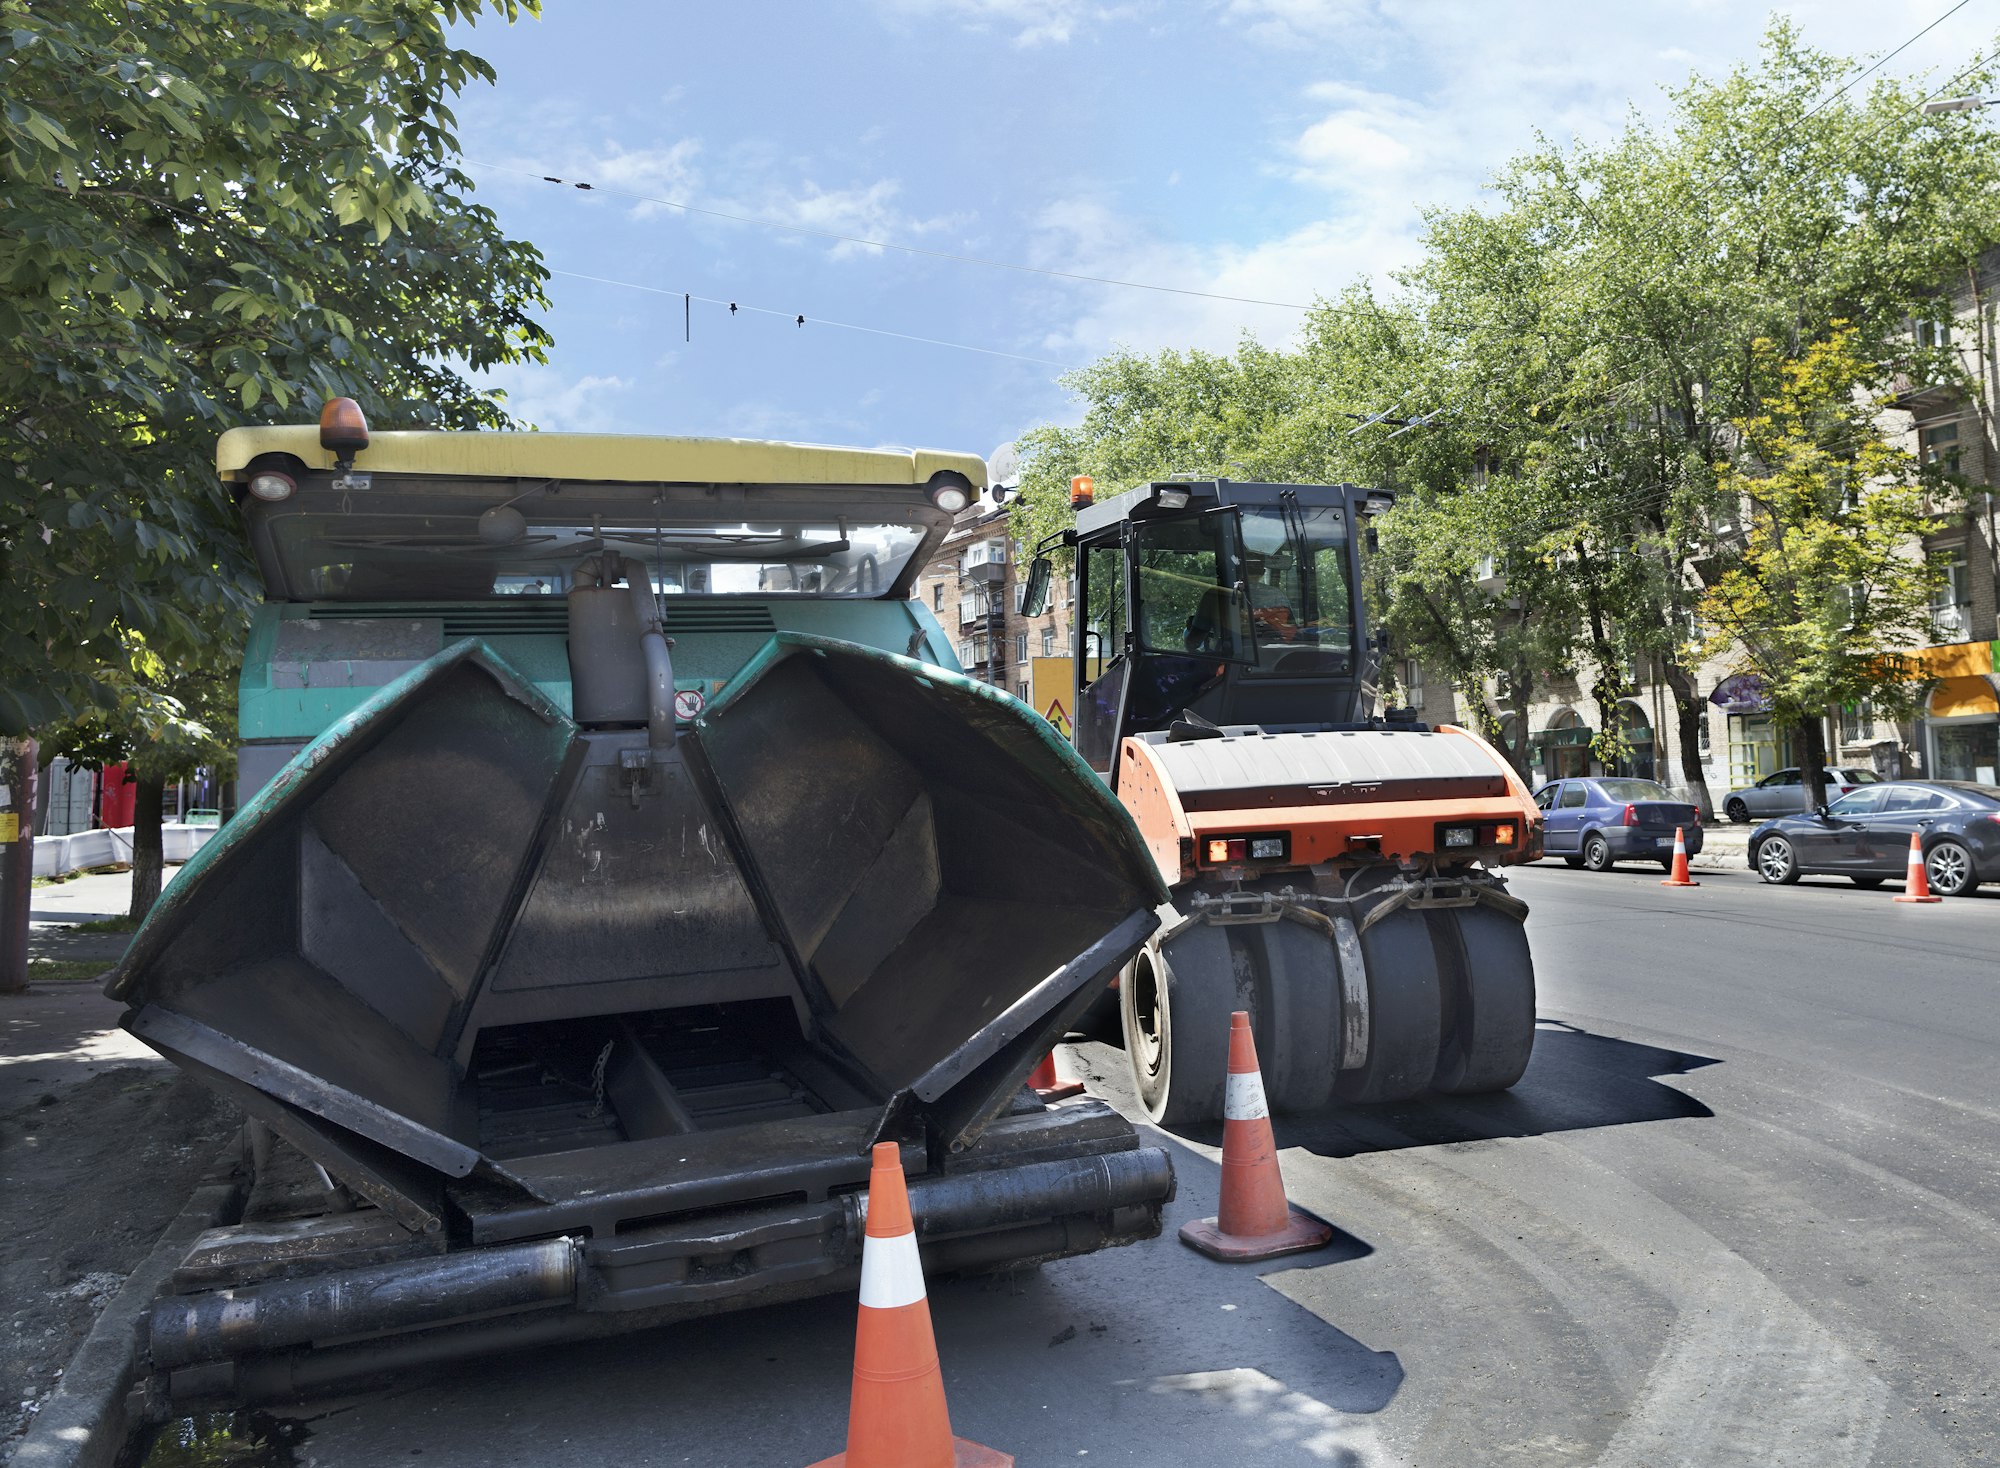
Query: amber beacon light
x: 343, y: 431
x: 1082, y: 490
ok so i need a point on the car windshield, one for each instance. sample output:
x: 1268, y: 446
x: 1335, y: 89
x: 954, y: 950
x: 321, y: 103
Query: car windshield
x: 1634, y: 790
x: 1987, y: 794
x: 1857, y: 777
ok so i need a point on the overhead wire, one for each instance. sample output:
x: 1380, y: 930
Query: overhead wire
x: 802, y: 319
x: 1513, y: 329
x: 875, y: 244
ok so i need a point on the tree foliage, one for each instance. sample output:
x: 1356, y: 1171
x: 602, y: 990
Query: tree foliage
x: 1565, y: 368
x: 215, y: 212
x: 1830, y: 583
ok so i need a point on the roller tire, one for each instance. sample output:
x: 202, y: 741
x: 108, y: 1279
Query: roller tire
x: 1489, y: 985
x: 1176, y: 1024
x: 1405, y: 1013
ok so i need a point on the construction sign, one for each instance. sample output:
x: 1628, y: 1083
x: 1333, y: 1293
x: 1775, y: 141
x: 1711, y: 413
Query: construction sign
x: 1050, y: 684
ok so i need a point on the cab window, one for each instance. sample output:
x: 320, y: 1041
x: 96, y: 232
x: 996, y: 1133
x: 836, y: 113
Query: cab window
x: 1104, y: 605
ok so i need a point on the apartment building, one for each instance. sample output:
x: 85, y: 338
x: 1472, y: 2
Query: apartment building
x: 973, y: 585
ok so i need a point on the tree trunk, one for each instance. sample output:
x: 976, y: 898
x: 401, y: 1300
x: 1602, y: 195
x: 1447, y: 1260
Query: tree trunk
x: 1812, y: 769
x: 1689, y: 711
x: 17, y: 860
x: 148, y: 849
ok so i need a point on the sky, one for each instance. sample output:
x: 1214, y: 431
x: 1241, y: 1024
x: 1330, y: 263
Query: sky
x: 1267, y: 150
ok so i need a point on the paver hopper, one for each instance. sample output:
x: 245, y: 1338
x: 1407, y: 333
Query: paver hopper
x: 590, y: 933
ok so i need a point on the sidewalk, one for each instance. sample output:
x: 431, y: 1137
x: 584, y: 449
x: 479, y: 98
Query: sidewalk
x: 62, y: 1033
x: 1724, y: 847
x: 101, y: 1142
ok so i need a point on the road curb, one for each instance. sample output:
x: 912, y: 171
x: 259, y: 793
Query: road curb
x: 84, y: 1422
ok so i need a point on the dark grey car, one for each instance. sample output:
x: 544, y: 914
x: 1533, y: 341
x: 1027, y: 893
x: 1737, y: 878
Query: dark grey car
x: 1865, y: 836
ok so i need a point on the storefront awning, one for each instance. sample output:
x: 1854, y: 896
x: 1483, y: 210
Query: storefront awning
x: 1967, y: 694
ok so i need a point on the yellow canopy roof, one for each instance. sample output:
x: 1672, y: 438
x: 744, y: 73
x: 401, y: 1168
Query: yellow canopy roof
x: 628, y: 458
x: 1966, y: 694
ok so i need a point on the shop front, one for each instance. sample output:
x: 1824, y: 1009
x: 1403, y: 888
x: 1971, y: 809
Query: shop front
x: 1563, y: 749
x: 1962, y: 717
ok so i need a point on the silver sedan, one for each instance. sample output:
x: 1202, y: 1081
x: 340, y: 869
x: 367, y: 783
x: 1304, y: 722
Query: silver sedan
x: 1784, y: 794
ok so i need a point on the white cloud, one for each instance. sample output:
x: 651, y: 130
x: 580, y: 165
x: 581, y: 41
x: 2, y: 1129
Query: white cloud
x: 1319, y: 258
x: 1025, y: 22
x: 1288, y: 22
x: 1472, y: 82
x: 866, y: 210
x: 541, y: 395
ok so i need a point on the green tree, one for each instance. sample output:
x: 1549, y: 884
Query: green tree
x: 170, y: 720
x: 1831, y: 588
x: 215, y: 212
x: 1585, y: 347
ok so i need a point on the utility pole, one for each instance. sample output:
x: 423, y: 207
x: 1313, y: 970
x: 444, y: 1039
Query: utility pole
x: 17, y: 860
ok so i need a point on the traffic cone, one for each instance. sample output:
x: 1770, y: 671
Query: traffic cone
x: 1045, y: 1083
x: 1255, y: 1221
x: 896, y: 1417
x: 1679, y: 877
x: 1917, y: 885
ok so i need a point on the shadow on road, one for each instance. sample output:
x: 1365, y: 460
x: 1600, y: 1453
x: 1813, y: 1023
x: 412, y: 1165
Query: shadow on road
x: 1576, y: 1080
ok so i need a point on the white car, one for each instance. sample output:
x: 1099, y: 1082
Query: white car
x: 1784, y: 794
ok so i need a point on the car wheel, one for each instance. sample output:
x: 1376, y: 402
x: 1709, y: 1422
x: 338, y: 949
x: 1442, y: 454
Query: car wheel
x: 1596, y: 853
x: 1738, y: 813
x: 1777, y: 862
x: 1867, y: 884
x: 1949, y: 867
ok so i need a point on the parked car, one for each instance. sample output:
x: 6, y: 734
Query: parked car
x: 1865, y: 836
x: 1595, y: 822
x: 1785, y: 792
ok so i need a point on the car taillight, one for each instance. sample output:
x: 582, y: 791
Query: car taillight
x: 1631, y: 816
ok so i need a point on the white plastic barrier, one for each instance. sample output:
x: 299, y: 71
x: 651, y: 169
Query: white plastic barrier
x: 58, y: 856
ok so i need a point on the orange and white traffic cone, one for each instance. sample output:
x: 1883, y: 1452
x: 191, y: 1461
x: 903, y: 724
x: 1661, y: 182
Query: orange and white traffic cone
x: 1044, y: 1081
x: 1917, y: 884
x: 896, y: 1417
x: 1679, y: 877
x: 1255, y: 1221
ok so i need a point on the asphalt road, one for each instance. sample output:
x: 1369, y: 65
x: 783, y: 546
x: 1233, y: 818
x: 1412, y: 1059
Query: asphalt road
x: 1743, y: 1209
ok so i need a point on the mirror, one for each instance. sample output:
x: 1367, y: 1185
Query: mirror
x: 1035, y: 595
x: 1822, y: 812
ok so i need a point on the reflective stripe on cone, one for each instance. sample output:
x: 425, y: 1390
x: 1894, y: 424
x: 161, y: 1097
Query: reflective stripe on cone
x: 896, y: 1416
x: 1254, y: 1221
x: 1678, y: 876
x: 1916, y: 879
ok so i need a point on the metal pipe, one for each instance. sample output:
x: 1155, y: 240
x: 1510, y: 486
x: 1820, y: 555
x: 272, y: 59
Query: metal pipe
x: 185, y: 1329
x: 659, y: 661
x: 1003, y: 1196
